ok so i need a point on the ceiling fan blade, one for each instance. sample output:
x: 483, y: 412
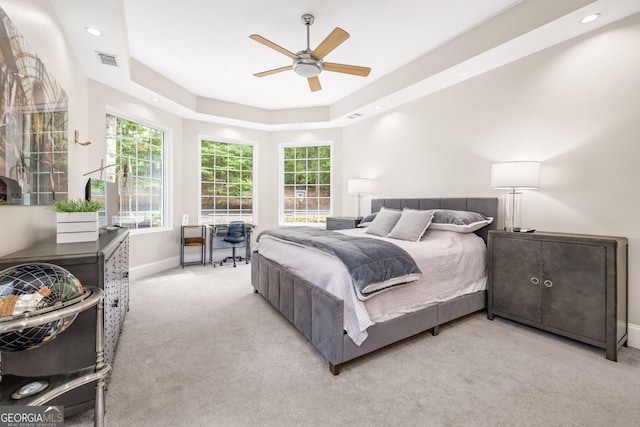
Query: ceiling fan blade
x: 273, y: 46
x: 314, y: 83
x: 332, y: 41
x: 274, y: 71
x: 346, y: 69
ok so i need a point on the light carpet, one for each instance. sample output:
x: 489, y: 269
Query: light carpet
x: 199, y: 348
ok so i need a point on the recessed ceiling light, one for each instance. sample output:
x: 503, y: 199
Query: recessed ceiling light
x: 378, y: 107
x: 590, y: 18
x: 155, y: 99
x: 93, y: 31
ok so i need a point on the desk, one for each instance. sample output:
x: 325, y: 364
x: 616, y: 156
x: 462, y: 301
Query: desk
x: 216, y: 236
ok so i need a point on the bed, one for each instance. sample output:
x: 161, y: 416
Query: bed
x: 324, y: 314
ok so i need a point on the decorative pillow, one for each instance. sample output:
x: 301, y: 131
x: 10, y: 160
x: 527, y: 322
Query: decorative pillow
x: 411, y: 225
x: 459, y: 221
x: 384, y: 222
x: 367, y: 220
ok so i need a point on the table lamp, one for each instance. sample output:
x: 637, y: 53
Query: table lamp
x: 514, y: 176
x: 358, y: 186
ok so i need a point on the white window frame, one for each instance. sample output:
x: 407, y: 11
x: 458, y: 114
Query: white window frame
x: 167, y: 164
x: 254, y: 195
x: 281, y: 148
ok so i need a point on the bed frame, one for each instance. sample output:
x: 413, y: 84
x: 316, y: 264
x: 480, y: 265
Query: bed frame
x: 318, y: 315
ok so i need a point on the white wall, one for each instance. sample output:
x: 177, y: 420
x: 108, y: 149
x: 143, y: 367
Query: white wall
x: 575, y: 107
x: 145, y: 247
x: 22, y: 226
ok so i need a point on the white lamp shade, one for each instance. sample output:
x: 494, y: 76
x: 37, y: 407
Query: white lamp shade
x: 358, y: 186
x: 508, y: 175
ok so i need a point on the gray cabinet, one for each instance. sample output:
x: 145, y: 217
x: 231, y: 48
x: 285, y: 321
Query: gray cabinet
x: 574, y: 285
x: 104, y: 264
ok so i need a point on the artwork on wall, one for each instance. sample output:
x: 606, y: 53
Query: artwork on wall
x: 33, y: 125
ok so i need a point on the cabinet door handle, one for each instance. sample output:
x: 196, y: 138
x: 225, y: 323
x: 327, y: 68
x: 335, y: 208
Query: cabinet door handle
x: 535, y: 280
x: 548, y: 283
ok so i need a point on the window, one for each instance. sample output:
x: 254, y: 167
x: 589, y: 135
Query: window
x: 306, y: 183
x: 136, y: 152
x: 226, y: 182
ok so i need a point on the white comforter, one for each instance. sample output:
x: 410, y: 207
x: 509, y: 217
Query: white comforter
x: 452, y: 264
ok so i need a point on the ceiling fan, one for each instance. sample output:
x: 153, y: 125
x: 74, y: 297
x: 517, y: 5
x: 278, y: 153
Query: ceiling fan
x: 309, y: 63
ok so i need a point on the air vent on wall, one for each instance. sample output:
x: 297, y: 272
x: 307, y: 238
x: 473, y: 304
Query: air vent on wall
x: 107, y: 59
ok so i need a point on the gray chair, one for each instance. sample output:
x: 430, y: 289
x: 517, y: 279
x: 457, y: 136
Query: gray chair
x: 236, y: 234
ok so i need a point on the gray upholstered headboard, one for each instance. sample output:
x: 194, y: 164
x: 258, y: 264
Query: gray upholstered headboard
x: 487, y: 206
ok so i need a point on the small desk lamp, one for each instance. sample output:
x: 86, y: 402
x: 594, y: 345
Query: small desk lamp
x: 514, y: 176
x: 358, y: 186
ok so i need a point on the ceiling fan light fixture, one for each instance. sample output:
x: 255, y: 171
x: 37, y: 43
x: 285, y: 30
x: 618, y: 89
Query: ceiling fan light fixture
x: 310, y: 63
x: 306, y: 66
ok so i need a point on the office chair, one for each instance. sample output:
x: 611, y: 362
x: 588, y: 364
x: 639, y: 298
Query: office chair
x: 236, y: 233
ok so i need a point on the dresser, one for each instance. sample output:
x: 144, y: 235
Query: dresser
x: 342, y: 222
x: 103, y: 264
x: 574, y: 285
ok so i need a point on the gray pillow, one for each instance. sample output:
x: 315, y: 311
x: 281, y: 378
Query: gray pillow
x: 459, y: 221
x: 367, y: 220
x: 411, y: 225
x: 384, y: 222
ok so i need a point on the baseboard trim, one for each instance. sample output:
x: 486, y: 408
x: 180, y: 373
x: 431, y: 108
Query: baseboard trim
x: 146, y: 270
x: 633, y: 335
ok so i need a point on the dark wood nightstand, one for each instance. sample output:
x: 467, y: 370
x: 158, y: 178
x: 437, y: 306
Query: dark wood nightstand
x: 342, y: 222
x: 574, y: 285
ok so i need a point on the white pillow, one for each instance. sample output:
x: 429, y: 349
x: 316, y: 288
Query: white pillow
x: 384, y: 222
x: 412, y: 225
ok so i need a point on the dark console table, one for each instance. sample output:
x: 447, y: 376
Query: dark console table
x: 103, y: 264
x: 574, y: 285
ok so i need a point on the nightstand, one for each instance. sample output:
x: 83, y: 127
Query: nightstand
x: 574, y: 285
x: 342, y: 222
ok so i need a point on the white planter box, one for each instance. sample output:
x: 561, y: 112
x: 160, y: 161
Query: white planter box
x: 77, y: 227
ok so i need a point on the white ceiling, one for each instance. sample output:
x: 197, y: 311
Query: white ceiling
x: 196, y: 58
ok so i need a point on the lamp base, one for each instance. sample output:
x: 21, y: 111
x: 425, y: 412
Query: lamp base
x: 512, y: 211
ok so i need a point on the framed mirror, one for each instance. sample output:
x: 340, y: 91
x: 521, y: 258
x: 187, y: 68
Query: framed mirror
x: 34, y: 128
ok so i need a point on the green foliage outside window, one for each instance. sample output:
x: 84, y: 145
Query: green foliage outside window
x: 307, y: 184
x: 226, y: 182
x: 137, y: 151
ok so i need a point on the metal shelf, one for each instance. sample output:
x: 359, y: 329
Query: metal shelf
x: 193, y: 236
x: 64, y: 382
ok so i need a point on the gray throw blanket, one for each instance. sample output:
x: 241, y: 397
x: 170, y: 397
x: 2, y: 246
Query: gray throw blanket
x: 374, y: 265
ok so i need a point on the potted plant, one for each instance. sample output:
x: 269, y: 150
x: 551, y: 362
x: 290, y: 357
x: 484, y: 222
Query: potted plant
x: 77, y: 220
